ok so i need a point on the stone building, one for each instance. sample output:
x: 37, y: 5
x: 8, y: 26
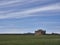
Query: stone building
x: 40, y: 32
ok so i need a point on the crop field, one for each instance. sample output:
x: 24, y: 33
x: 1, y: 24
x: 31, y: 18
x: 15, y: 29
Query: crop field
x: 29, y: 40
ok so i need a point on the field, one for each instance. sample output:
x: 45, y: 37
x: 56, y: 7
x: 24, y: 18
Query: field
x: 29, y: 40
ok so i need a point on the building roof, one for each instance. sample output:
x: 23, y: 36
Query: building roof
x: 39, y: 30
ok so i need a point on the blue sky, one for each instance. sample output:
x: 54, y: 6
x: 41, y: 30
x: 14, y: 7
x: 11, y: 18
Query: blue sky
x: 22, y: 16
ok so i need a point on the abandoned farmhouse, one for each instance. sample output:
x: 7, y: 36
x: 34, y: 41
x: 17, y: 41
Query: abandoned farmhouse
x: 40, y: 32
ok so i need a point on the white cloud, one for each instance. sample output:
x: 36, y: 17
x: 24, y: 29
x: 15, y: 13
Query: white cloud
x: 11, y: 3
x: 15, y: 3
x: 4, y: 3
x: 30, y: 12
x: 15, y: 30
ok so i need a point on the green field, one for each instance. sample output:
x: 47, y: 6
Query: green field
x: 29, y: 40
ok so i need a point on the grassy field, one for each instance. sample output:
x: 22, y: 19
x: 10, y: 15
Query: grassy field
x: 29, y: 40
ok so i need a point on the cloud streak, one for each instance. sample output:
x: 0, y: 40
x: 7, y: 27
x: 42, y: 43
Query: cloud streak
x: 30, y: 12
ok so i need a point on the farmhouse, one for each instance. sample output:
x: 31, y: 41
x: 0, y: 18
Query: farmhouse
x: 40, y: 32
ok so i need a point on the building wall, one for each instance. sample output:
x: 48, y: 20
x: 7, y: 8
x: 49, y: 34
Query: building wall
x: 40, y: 32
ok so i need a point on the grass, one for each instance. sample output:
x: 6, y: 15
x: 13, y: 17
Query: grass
x: 29, y: 40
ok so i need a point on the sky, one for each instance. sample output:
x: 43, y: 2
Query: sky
x: 22, y: 16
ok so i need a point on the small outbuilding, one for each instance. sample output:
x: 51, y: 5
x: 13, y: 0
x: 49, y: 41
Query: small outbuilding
x: 40, y: 32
